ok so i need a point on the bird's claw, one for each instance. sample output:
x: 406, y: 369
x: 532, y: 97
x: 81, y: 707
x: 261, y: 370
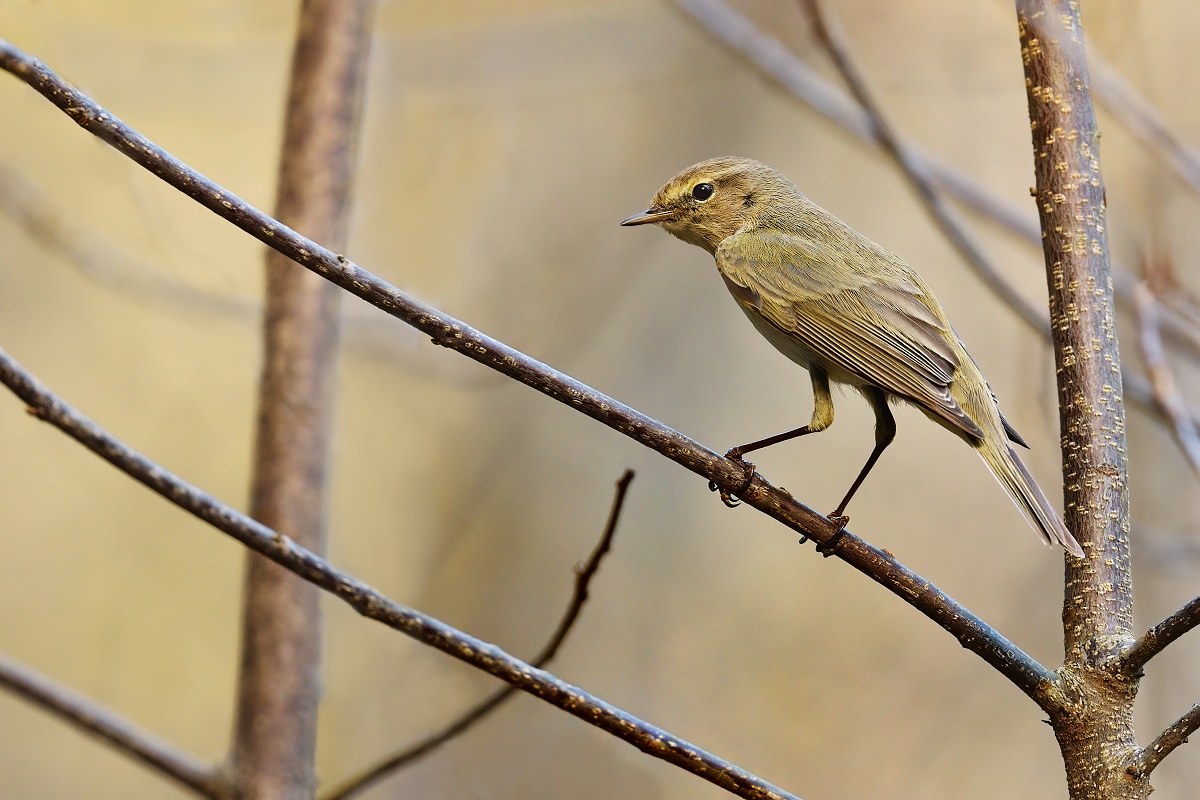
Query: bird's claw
x: 830, y: 547
x: 727, y: 497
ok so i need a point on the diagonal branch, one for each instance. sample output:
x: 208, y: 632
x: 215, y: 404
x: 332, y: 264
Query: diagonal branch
x: 105, y: 724
x: 583, y: 577
x: 833, y: 38
x: 1177, y: 734
x: 1035, y: 680
x: 1162, y: 379
x: 372, y: 604
x: 1158, y: 638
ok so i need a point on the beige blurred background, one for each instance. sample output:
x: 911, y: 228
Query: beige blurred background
x: 503, y: 142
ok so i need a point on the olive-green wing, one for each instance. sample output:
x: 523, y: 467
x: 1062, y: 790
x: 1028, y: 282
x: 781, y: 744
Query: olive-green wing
x: 879, y: 329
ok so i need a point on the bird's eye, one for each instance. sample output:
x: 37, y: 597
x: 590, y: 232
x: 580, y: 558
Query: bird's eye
x: 702, y: 191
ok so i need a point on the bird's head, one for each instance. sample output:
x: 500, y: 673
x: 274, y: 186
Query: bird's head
x: 710, y: 201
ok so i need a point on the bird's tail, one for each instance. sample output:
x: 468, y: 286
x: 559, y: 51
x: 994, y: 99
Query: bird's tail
x: 1014, y: 476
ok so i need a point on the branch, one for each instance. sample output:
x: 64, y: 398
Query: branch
x: 105, y: 724
x: 1162, y: 379
x: 1144, y: 121
x: 1098, y: 608
x: 372, y: 604
x: 1035, y: 680
x: 273, y: 752
x: 833, y: 38
x: 1149, y: 758
x: 1158, y: 638
x: 583, y: 577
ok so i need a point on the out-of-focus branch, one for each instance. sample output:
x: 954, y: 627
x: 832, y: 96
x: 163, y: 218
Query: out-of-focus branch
x: 1154, y: 641
x: 1162, y: 379
x: 1036, y: 681
x: 273, y: 752
x: 106, y: 725
x: 1165, y: 743
x: 1143, y: 120
x: 653, y: 741
x: 584, y: 573
x: 834, y: 40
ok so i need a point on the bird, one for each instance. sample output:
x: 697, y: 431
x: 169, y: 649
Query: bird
x: 847, y: 310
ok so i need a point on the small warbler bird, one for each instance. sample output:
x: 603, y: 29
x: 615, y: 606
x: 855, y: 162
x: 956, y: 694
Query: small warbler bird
x: 846, y: 310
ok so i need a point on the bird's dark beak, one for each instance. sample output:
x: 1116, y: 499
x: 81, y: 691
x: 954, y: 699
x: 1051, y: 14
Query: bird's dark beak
x: 650, y: 216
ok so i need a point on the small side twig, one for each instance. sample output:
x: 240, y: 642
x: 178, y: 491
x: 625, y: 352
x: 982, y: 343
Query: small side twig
x: 584, y: 573
x: 1153, y: 754
x: 105, y: 724
x: 369, y: 602
x: 831, y: 36
x: 1162, y: 378
x: 1154, y: 641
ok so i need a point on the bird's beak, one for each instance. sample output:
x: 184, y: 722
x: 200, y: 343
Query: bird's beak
x: 650, y: 216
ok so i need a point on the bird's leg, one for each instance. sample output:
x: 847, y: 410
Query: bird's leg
x: 822, y: 418
x: 885, y: 432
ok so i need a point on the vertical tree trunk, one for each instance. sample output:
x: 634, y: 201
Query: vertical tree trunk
x: 275, y: 735
x: 1095, y: 726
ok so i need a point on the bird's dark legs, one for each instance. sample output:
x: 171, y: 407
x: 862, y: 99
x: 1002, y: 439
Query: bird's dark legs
x: 822, y: 418
x: 885, y: 432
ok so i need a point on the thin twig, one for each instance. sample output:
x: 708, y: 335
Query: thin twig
x: 1154, y: 641
x: 1035, y: 680
x: 108, y: 726
x: 1162, y: 379
x: 372, y: 604
x: 830, y: 34
x: 584, y: 573
x: 1177, y: 734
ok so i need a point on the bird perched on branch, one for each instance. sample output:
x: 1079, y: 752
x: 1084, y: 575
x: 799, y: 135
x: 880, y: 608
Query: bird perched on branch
x: 848, y: 311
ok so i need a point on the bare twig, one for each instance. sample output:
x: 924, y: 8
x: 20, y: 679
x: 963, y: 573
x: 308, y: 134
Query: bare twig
x: 834, y: 40
x: 1177, y: 734
x: 1162, y: 379
x: 1158, y: 638
x: 374, y: 605
x: 106, y: 725
x: 1039, y: 683
x: 584, y: 573
x: 273, y: 751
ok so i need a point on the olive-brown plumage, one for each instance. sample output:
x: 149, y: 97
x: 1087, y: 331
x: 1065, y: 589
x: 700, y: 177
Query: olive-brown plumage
x: 845, y: 309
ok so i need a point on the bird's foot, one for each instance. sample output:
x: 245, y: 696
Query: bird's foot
x: 830, y: 547
x: 727, y: 497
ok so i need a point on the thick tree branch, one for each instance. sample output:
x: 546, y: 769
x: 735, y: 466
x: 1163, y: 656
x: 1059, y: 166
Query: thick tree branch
x: 1035, y: 680
x: 275, y: 733
x: 106, y: 725
x: 1095, y: 729
x: 371, y: 604
x: 1167, y: 741
x: 1158, y: 638
x: 833, y: 38
x: 584, y: 573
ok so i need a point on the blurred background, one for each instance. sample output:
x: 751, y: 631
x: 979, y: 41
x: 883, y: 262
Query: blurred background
x: 503, y: 142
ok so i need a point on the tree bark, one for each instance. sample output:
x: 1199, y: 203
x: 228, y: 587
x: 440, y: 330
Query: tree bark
x: 274, y: 743
x: 1094, y: 726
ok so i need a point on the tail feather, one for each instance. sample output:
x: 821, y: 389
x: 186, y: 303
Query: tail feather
x: 1014, y: 477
